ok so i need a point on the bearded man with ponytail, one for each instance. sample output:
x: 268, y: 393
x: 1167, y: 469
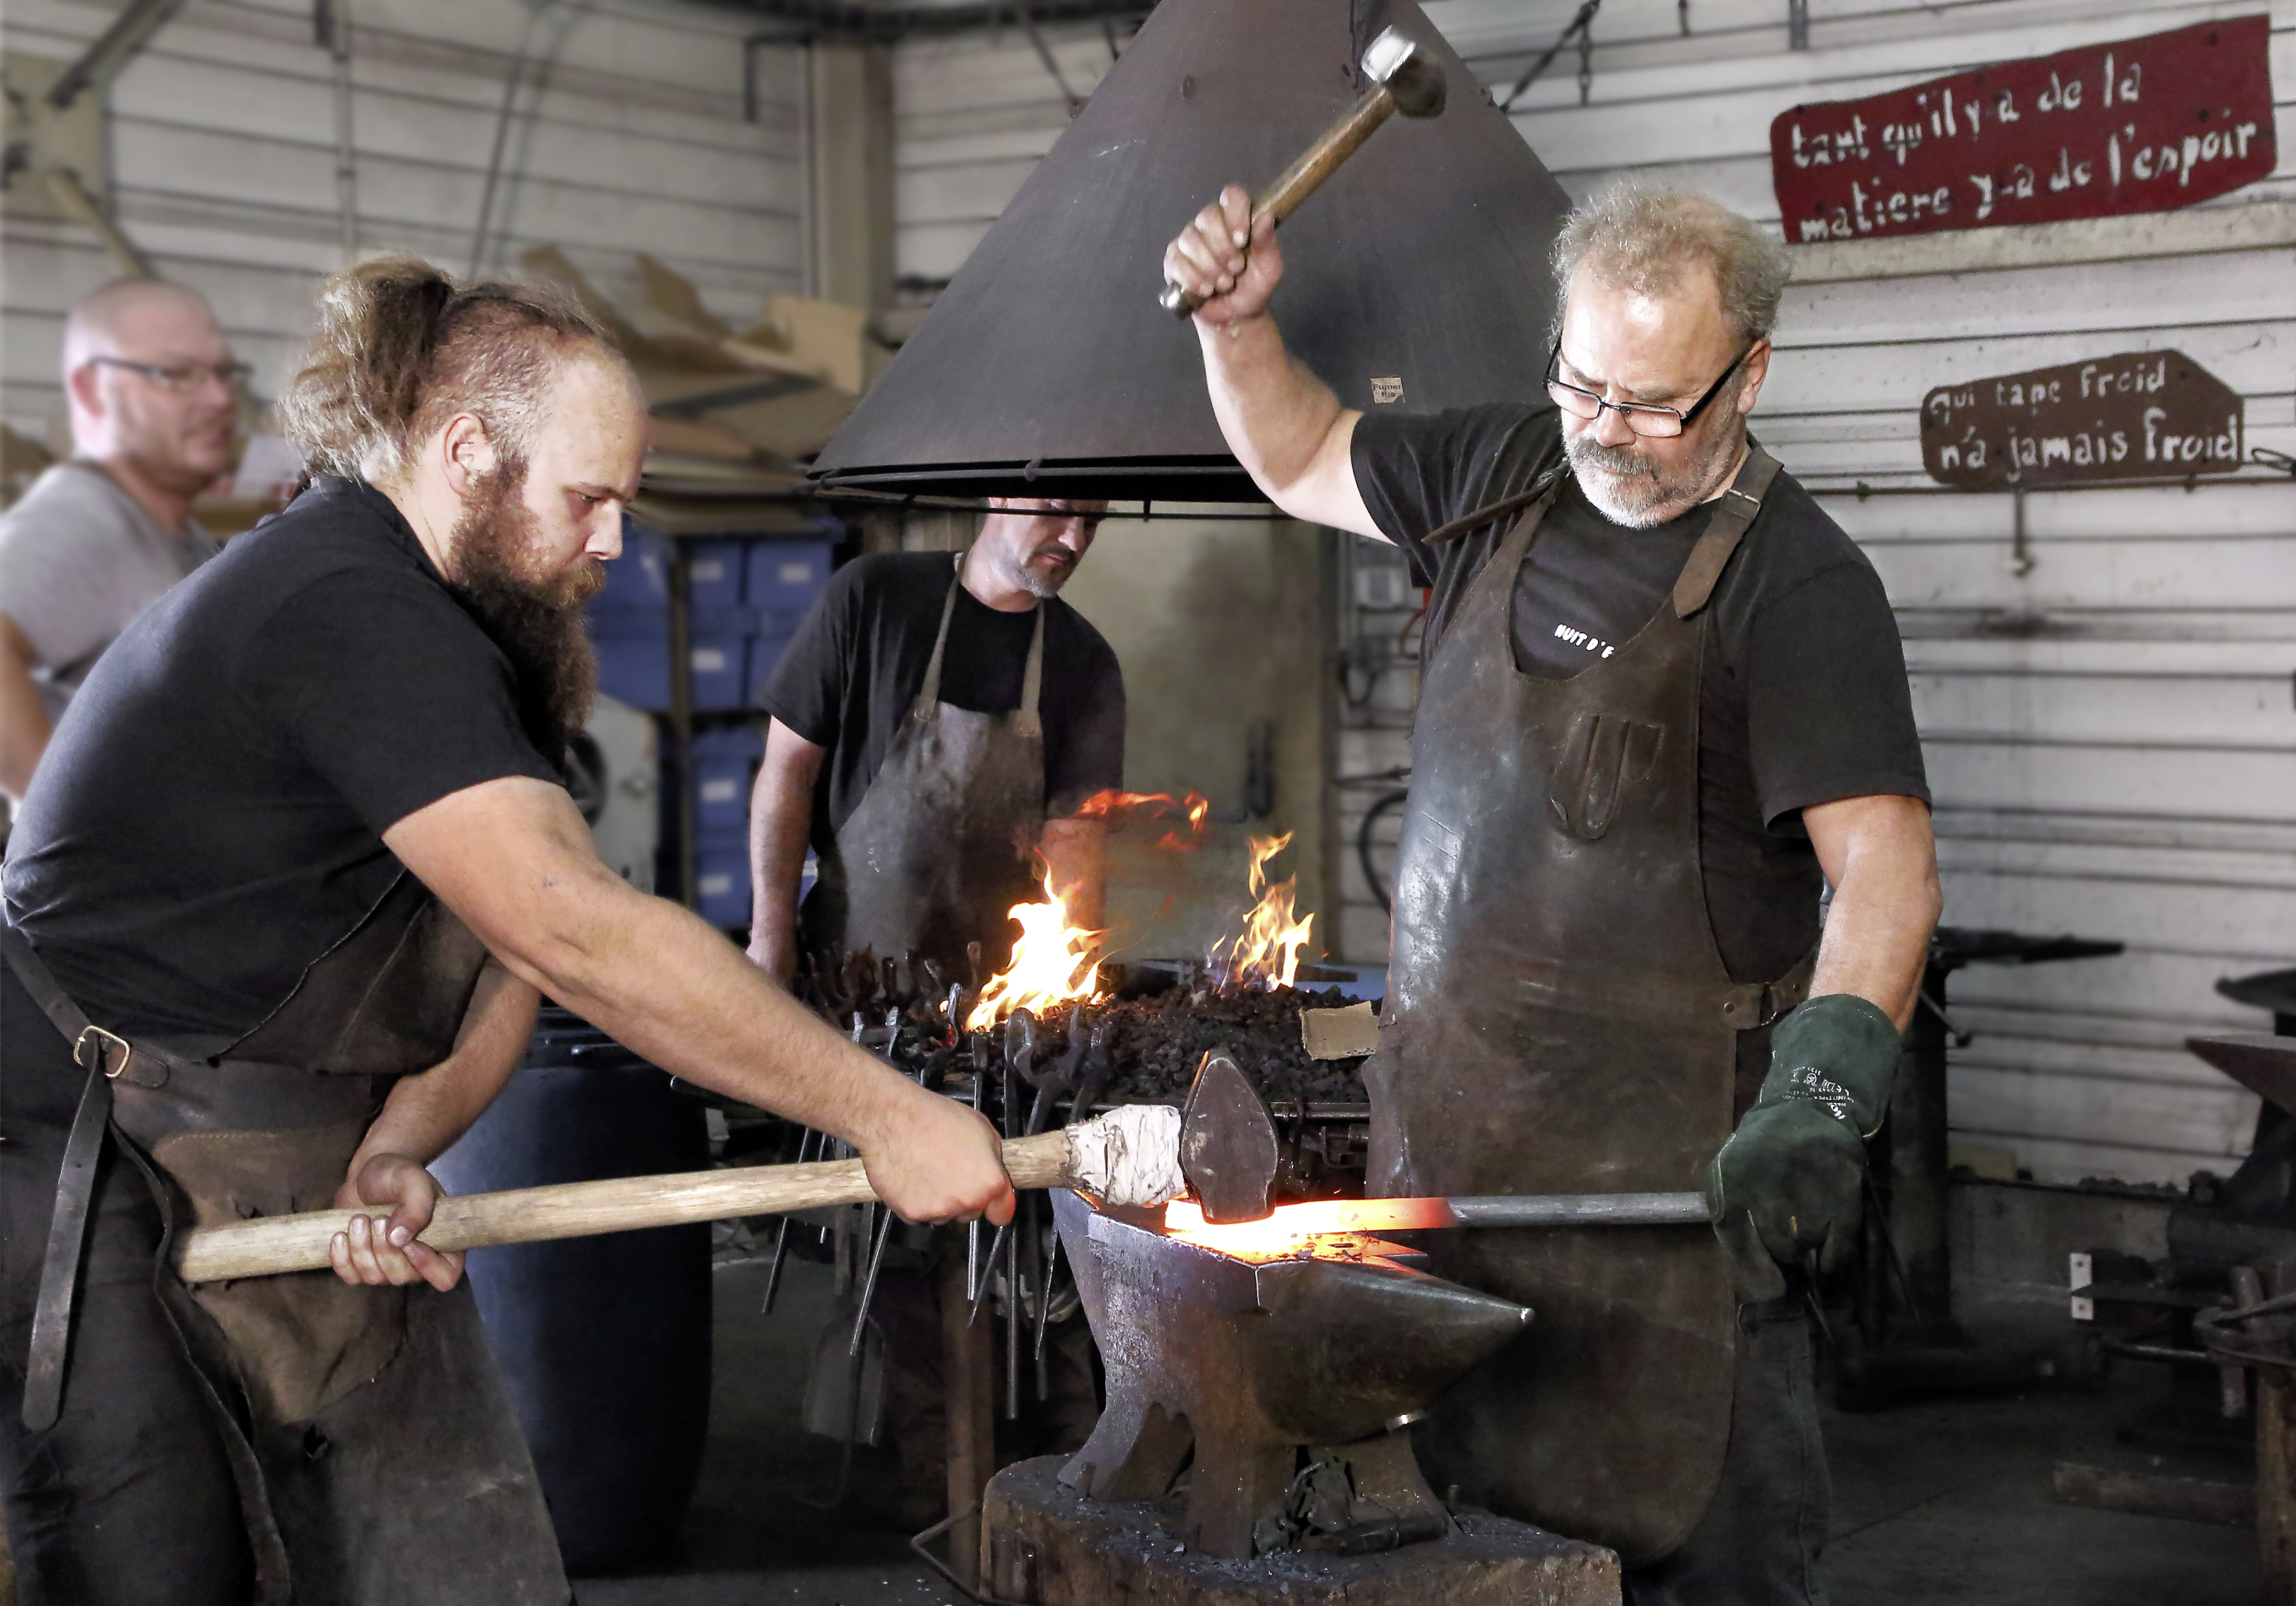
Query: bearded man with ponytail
x: 279, y: 908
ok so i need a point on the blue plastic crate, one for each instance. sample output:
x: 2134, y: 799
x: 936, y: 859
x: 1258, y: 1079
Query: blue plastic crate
x: 633, y: 659
x: 716, y: 659
x: 721, y: 883
x: 713, y: 578
x: 784, y: 576
x: 725, y: 763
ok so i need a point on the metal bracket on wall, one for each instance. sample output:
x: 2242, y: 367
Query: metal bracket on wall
x: 1259, y: 768
x: 1797, y: 24
x: 2021, y: 559
x: 47, y: 142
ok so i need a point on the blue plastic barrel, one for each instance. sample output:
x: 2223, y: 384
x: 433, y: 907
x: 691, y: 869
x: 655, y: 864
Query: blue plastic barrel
x: 604, y: 1342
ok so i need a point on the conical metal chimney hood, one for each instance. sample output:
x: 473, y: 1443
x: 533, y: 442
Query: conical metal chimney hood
x: 1046, y: 367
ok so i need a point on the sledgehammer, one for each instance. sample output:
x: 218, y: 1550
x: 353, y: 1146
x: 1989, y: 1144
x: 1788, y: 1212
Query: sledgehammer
x: 1129, y: 1155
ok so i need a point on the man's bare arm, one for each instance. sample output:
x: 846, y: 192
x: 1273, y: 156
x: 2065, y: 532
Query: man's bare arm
x: 1881, y: 858
x: 780, y: 823
x: 419, y: 1121
x: 24, y: 728
x: 1284, y: 424
x: 425, y: 1114
x: 513, y: 858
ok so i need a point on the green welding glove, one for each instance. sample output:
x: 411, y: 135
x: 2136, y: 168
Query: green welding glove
x: 1791, y: 1179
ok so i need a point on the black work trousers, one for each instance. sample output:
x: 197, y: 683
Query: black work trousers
x: 128, y: 1499
x: 1760, y: 1541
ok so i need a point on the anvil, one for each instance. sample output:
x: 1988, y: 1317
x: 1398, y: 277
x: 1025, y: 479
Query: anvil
x: 1226, y: 1365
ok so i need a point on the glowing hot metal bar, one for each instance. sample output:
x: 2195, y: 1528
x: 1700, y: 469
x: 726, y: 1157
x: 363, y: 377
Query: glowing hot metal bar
x: 1289, y: 1228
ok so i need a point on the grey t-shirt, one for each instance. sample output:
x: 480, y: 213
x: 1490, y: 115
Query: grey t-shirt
x: 79, y: 560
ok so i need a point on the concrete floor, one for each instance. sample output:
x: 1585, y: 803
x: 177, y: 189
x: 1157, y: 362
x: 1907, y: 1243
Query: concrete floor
x: 1937, y: 1503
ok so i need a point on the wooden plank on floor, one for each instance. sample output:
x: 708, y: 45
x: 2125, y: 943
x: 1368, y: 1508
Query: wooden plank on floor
x: 2150, y: 1495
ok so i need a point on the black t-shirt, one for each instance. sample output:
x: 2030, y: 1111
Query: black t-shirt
x: 1802, y: 694
x: 209, y: 818
x: 859, y: 661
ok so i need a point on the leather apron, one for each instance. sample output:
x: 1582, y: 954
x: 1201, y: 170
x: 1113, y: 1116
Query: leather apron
x: 943, y: 843
x: 377, y: 1456
x: 1559, y: 1020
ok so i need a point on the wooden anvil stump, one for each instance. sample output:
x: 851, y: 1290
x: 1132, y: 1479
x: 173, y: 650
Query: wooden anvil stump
x: 1045, y: 1544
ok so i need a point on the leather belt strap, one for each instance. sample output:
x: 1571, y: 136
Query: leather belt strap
x: 106, y: 1057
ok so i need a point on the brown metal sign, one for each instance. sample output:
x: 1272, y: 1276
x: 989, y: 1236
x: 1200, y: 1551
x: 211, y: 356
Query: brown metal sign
x: 2138, y: 416
x: 2140, y: 125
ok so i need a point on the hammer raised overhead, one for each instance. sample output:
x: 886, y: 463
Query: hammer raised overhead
x: 1404, y: 79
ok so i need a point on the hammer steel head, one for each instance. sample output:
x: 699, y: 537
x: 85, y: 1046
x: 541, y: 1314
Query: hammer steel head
x: 1227, y: 1142
x: 1413, y: 81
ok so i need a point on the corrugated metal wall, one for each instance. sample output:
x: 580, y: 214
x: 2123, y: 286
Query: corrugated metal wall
x: 2111, y: 734
x: 629, y: 133
x: 971, y: 115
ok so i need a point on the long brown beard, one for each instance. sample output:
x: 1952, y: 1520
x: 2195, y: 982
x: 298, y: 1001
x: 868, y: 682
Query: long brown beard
x: 535, y: 618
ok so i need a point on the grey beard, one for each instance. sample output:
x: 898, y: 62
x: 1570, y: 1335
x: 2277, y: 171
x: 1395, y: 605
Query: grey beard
x: 1626, y: 488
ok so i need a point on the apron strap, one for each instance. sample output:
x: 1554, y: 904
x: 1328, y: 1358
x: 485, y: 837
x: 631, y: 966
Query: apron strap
x: 1703, y: 570
x: 929, y: 694
x: 1750, y: 1005
x: 1506, y: 561
x: 1032, y: 679
x: 1494, y: 512
x: 106, y: 1057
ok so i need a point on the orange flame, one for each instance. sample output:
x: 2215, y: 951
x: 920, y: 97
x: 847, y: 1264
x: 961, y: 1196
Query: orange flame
x: 1053, y: 963
x: 1161, y: 805
x: 1056, y: 962
x: 1295, y: 1231
x: 1266, y: 950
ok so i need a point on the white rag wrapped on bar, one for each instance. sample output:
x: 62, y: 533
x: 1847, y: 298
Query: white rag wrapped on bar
x: 1129, y: 1155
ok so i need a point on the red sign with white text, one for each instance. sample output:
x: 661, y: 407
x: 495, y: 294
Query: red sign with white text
x: 2136, y: 126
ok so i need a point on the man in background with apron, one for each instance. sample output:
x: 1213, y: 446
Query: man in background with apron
x: 936, y: 724
x: 1663, y: 704
x: 279, y: 910
x: 99, y: 538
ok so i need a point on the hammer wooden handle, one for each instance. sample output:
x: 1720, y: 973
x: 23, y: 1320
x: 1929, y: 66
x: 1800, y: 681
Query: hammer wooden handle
x: 477, y: 1220
x: 1302, y: 178
x: 1321, y: 159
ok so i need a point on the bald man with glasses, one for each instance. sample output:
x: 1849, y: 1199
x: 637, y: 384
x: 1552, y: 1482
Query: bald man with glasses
x: 153, y: 392
x: 1662, y: 707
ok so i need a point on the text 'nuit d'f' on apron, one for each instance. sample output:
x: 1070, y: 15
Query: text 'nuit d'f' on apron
x: 1559, y: 1020
x: 943, y: 843
x: 377, y: 1459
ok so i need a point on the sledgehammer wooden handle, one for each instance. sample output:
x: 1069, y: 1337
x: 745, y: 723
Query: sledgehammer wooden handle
x: 477, y: 1221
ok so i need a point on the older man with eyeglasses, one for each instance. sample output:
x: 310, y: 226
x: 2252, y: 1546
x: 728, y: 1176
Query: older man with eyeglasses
x: 1663, y: 707
x: 154, y: 399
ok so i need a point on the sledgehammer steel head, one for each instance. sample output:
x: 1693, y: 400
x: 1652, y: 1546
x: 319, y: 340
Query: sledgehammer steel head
x: 1404, y: 80
x: 1227, y: 1142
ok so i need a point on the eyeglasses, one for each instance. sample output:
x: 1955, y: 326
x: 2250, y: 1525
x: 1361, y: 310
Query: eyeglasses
x: 184, y: 380
x: 1642, y: 417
